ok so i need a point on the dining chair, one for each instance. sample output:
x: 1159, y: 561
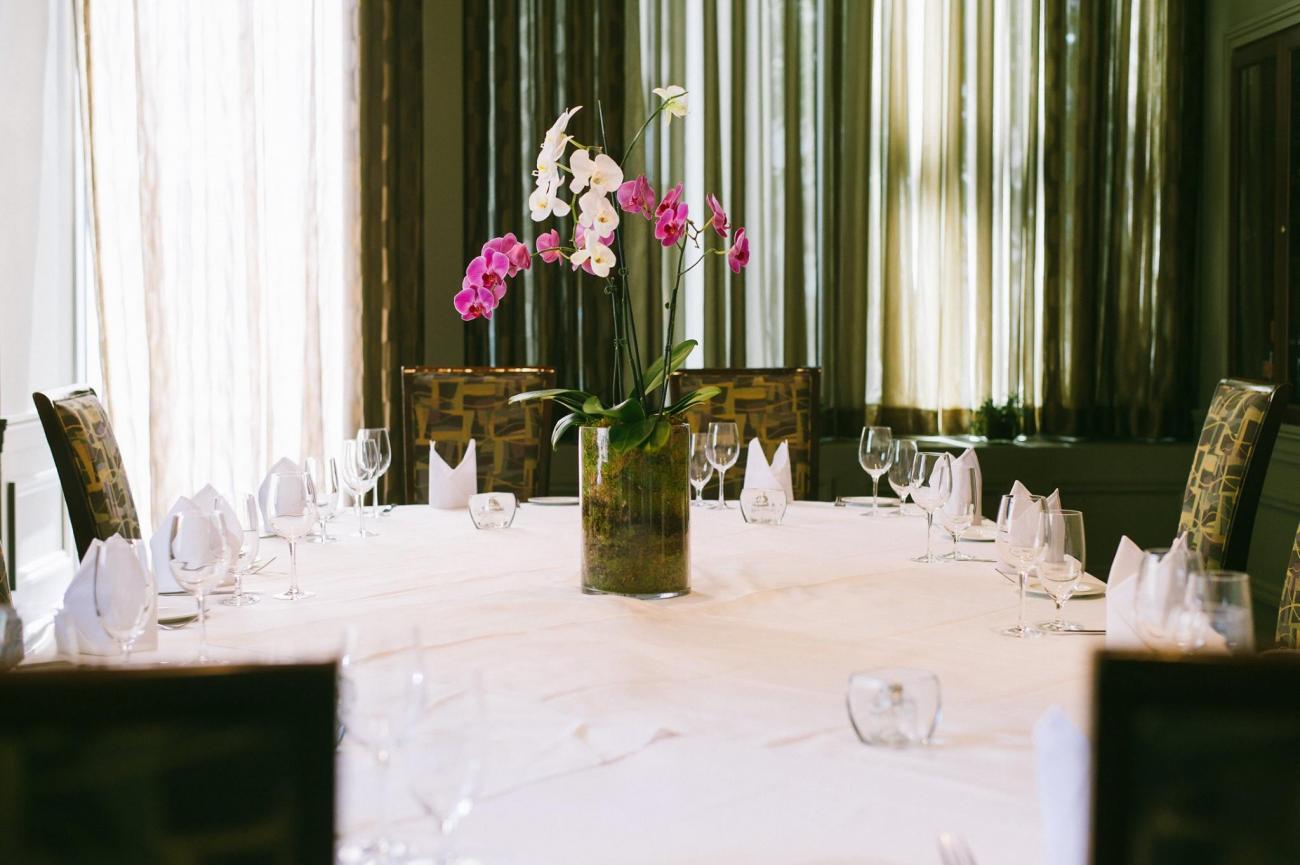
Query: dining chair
x: 1287, y: 635
x: 1192, y: 759
x: 89, y: 464
x: 772, y: 405
x: 6, y: 590
x: 1228, y: 468
x: 169, y: 764
x: 448, y: 406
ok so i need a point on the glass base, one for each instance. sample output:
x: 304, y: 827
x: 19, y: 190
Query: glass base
x: 327, y: 539
x: 1061, y: 628
x: 651, y: 596
x: 929, y: 559
x: 377, y: 852
x: 1021, y: 632
x: 243, y: 599
x: 957, y: 556
x: 294, y: 595
x: 365, y: 533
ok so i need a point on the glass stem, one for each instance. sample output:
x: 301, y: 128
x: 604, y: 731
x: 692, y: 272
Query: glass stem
x: 293, y: 567
x: 1060, y: 615
x: 875, y: 495
x: 929, y: 527
x: 722, y: 499
x: 203, y: 628
x: 374, y: 501
x: 361, y: 517
x: 1024, y: 586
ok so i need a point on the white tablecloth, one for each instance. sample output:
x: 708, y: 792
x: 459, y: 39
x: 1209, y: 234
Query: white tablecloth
x: 710, y: 728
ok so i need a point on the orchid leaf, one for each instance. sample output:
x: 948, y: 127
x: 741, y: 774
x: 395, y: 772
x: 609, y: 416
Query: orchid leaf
x: 658, y: 435
x: 562, y: 426
x: 654, y: 373
x: 624, y: 437
x: 694, y: 398
x: 627, y: 412
x: 573, y: 400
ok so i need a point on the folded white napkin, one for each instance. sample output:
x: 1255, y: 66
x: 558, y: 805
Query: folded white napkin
x: 76, y: 626
x: 282, y: 466
x: 760, y: 475
x: 963, y: 492
x: 451, y: 487
x: 210, y: 501
x: 160, y: 545
x: 1121, y: 587
x: 1024, y: 519
x: 1063, y: 757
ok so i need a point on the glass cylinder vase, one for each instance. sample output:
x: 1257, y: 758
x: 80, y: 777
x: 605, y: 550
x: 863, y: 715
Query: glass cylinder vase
x: 635, y: 516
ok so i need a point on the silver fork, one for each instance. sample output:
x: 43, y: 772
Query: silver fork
x: 953, y: 850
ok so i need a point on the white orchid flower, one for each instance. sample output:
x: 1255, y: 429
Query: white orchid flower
x: 600, y: 256
x: 595, y: 211
x: 602, y: 173
x: 674, y: 97
x: 545, y: 201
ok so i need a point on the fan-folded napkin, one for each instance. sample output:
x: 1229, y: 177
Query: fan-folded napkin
x: 451, y: 487
x: 205, y: 501
x: 283, y: 466
x: 762, y: 475
x: 967, y: 485
x: 1121, y: 596
x: 76, y: 626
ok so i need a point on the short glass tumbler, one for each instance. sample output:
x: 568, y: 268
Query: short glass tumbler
x: 895, y: 707
x: 493, y: 510
x: 763, y: 507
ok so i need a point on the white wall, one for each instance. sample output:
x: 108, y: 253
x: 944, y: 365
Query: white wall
x: 37, y: 284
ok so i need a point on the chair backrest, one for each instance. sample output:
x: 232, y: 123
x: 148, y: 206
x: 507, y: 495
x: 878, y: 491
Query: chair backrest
x: 1194, y: 760
x: 1228, y: 469
x: 6, y: 590
x: 772, y: 405
x: 89, y: 463
x: 451, y: 405
x: 1288, y: 610
x: 230, y: 764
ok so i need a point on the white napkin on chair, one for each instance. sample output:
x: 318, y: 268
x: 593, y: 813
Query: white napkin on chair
x: 760, y: 475
x: 1063, y: 756
x: 962, y: 491
x: 284, y: 465
x: 451, y: 487
x: 76, y: 626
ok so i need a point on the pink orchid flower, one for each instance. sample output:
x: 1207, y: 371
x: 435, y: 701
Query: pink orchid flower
x: 670, y: 200
x: 719, y: 218
x: 637, y: 196
x: 580, y: 241
x: 489, y: 271
x: 474, y: 301
x: 671, y: 224
x: 548, y: 244
x: 738, y: 255
x: 516, y: 252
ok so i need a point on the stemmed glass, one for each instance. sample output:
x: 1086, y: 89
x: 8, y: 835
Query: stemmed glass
x: 701, y: 468
x: 325, y: 478
x: 875, y: 455
x: 900, y: 471
x: 722, y: 450
x: 378, y: 435
x: 1063, y: 564
x: 291, y: 511
x: 200, y: 559
x: 124, y: 595
x: 957, y: 516
x: 1021, y: 536
x: 1164, y: 609
x: 360, y: 468
x: 246, y: 556
x: 931, y: 486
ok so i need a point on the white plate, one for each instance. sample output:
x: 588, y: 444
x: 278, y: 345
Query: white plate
x: 554, y: 501
x: 985, y: 533
x: 865, y: 501
x: 1088, y: 587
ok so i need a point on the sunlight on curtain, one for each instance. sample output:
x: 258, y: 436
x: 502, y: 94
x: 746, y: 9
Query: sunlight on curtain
x: 222, y: 152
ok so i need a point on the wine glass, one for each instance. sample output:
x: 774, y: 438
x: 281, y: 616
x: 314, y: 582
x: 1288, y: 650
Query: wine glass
x: 325, y: 477
x: 900, y: 471
x: 958, y: 513
x: 1062, y: 565
x: 360, y: 469
x: 931, y: 486
x: 722, y: 450
x: 701, y: 468
x: 379, y: 435
x: 291, y: 511
x: 1020, y: 541
x: 875, y: 454
x: 1165, y: 612
x: 200, y: 559
x: 124, y: 594
x: 245, y: 558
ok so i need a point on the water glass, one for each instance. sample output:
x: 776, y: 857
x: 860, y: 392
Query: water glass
x: 493, y: 510
x: 1223, y: 598
x: 722, y: 450
x: 1062, y: 564
x: 124, y: 595
x: 384, y: 453
x: 701, y: 468
x: 931, y: 487
x: 246, y: 555
x: 325, y: 478
x: 1021, y: 536
x: 200, y: 559
x: 900, y: 471
x: 958, y: 514
x: 1165, y: 612
x: 875, y: 455
x: 763, y: 507
x: 291, y: 511
x: 894, y: 706
x: 360, y: 472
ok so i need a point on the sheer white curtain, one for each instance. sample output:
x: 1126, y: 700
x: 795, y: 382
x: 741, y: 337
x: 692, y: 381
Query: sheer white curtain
x: 222, y: 153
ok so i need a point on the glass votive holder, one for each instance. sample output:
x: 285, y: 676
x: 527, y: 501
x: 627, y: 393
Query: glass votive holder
x: 763, y: 507
x: 493, y: 510
x: 894, y: 706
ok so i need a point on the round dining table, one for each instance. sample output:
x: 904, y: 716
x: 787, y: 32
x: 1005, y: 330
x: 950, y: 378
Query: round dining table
x: 710, y: 728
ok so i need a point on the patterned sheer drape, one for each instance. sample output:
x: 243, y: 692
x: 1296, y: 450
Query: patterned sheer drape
x: 221, y: 155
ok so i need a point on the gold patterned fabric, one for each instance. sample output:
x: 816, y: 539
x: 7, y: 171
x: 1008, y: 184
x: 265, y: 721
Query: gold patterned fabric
x: 97, y: 464
x: 1288, y: 613
x: 6, y: 592
x: 772, y: 405
x: 451, y: 406
x: 1230, y: 439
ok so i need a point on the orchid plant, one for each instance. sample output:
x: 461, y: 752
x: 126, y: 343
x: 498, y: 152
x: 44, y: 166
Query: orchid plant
x: 639, y: 413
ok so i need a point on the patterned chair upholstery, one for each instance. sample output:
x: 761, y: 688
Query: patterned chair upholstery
x: 89, y: 465
x: 450, y: 406
x: 1228, y: 470
x: 1288, y: 611
x: 772, y: 405
x: 6, y: 590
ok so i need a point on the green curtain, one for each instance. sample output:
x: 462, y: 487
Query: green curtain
x: 392, y: 213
